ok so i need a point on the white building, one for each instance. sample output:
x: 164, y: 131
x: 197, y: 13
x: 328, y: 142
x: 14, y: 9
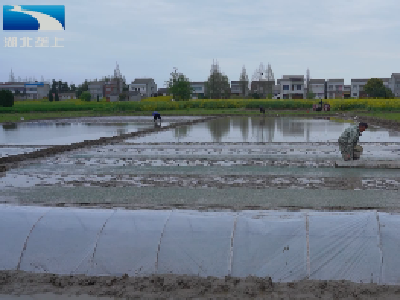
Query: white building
x: 96, y: 88
x: 292, y: 86
x: 357, y: 88
x: 146, y: 86
x: 317, y: 86
x: 276, y: 90
x: 335, y: 88
x: 199, y: 89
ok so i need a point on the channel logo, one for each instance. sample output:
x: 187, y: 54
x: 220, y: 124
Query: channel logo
x: 34, y: 17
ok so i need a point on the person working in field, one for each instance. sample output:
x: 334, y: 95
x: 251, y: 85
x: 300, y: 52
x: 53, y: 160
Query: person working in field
x: 348, y: 142
x: 156, y: 116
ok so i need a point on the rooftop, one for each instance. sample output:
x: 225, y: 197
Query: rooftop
x: 142, y: 80
x: 335, y: 80
x: 317, y: 81
x: 359, y: 80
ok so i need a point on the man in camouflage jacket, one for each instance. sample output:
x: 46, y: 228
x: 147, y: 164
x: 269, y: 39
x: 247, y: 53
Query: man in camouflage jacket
x: 348, y: 142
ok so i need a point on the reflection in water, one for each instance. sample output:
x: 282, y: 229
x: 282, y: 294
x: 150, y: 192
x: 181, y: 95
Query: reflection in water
x: 121, y: 131
x: 10, y: 126
x: 182, y: 131
x: 243, y: 124
x: 63, y: 124
x: 264, y: 128
x: 219, y: 128
x: 289, y: 128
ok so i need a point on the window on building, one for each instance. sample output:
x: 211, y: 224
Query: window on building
x: 331, y: 87
x: 299, y: 87
x: 292, y: 87
x: 354, y: 94
x: 285, y: 87
x: 354, y: 86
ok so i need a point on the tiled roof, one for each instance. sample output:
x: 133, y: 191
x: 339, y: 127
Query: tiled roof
x: 143, y: 80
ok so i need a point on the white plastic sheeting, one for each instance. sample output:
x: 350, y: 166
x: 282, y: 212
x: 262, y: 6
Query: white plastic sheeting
x: 356, y: 246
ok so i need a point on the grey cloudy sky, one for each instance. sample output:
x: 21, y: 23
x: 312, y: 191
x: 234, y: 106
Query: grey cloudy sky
x: 335, y: 39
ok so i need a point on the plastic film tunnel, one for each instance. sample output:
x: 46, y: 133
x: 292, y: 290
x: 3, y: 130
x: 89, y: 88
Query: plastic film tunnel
x: 287, y: 246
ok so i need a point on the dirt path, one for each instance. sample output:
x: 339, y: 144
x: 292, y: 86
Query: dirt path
x: 163, y: 286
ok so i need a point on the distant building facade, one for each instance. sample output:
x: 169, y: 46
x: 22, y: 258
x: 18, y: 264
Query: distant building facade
x: 27, y: 90
x: 335, y: 88
x: 239, y: 88
x: 262, y: 88
x: 198, y: 89
x: 318, y: 88
x: 145, y: 86
x: 292, y: 86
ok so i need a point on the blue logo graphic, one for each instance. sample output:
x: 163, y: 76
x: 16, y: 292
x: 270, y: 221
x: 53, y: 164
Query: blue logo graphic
x: 34, y: 17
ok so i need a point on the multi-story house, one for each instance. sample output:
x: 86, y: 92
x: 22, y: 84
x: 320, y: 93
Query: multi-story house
x: 357, y: 88
x: 347, y: 91
x: 395, y: 84
x: 110, y: 88
x: 96, y: 88
x: 262, y: 88
x: 292, y: 86
x: 335, y: 88
x: 198, y: 89
x: 276, y: 91
x: 239, y: 88
x: 386, y: 82
x: 67, y: 96
x: 318, y: 88
x: 27, y: 90
x: 14, y: 87
x: 163, y: 92
x: 146, y: 86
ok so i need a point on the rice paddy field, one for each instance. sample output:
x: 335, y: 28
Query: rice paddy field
x: 227, y: 196
x: 228, y: 162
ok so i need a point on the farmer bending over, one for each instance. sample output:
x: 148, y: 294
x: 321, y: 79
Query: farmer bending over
x: 156, y: 116
x: 348, y: 142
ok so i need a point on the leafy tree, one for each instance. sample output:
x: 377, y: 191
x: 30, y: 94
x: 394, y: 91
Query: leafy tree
x: 389, y: 93
x: 56, y: 98
x: 86, y: 96
x: 217, y: 85
x: 6, y: 98
x: 376, y: 89
x: 310, y: 93
x: 179, y: 86
x: 54, y: 86
x: 122, y: 97
x: 244, y: 82
x: 51, y: 96
x: 82, y: 88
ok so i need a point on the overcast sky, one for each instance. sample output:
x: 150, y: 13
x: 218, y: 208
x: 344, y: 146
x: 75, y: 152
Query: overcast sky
x: 335, y: 39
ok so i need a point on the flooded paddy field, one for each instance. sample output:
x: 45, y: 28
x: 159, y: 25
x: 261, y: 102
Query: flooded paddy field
x: 229, y: 195
x: 67, y: 131
x: 229, y: 162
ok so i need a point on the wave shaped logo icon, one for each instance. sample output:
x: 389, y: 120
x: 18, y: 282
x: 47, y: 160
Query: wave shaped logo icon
x: 34, y: 17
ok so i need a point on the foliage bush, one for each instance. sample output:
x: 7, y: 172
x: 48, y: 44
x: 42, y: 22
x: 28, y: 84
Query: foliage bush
x: 208, y: 104
x: 6, y: 98
x: 86, y: 96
